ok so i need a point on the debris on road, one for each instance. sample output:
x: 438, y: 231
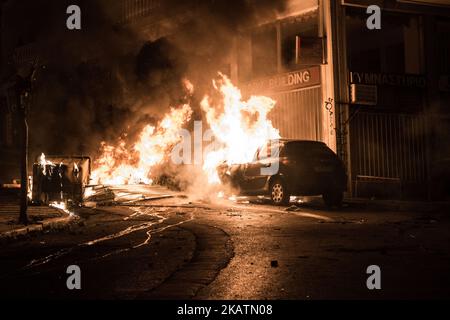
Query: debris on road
x: 99, y: 194
x: 233, y: 213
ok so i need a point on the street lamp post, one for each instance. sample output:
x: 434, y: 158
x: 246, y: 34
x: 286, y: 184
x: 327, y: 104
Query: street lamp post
x: 23, y: 217
x: 23, y: 91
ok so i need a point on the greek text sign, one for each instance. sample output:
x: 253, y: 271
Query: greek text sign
x: 287, y: 81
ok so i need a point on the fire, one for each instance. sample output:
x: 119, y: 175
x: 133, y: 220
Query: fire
x: 188, y: 86
x: 238, y: 127
x: 118, y: 166
x: 61, y: 206
x: 44, y: 163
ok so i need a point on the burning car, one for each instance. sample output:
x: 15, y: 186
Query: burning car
x: 304, y: 168
x: 60, y: 179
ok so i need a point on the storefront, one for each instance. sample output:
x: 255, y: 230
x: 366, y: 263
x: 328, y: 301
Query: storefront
x: 392, y: 95
x: 378, y: 97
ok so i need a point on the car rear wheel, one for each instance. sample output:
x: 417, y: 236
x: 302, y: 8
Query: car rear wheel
x: 279, y: 193
x: 333, y: 198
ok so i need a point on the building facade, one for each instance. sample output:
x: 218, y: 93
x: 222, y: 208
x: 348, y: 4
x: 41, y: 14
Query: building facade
x: 392, y: 90
x: 289, y: 60
x: 379, y: 98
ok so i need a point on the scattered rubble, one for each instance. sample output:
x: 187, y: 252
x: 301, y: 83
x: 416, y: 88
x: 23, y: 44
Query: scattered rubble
x: 293, y: 208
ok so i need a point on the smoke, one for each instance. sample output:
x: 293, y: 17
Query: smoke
x: 208, y: 38
x: 193, y: 181
x: 110, y: 79
x: 200, y: 46
x: 86, y: 89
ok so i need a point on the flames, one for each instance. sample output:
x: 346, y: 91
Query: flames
x: 237, y: 127
x: 44, y: 163
x: 117, y: 165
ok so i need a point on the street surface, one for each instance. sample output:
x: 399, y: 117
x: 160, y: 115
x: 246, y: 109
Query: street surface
x: 170, y: 247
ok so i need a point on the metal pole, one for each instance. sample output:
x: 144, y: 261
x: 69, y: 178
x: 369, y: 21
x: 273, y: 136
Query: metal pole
x: 24, y: 98
x: 23, y: 218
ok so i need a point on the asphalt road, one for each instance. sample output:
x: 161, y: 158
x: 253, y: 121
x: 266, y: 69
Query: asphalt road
x: 176, y: 249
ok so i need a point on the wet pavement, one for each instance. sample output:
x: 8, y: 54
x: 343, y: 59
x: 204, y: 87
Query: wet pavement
x: 171, y: 247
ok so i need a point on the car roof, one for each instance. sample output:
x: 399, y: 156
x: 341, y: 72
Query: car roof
x: 296, y: 140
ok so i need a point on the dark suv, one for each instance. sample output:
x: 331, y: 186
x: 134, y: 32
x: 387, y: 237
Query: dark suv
x: 285, y: 168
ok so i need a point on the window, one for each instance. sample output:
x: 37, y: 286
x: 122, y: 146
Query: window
x: 393, y: 49
x: 134, y: 9
x: 299, y: 39
x: 264, y: 51
x: 307, y: 150
x: 269, y: 150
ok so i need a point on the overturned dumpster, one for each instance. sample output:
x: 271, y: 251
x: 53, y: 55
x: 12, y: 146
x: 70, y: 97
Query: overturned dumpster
x: 60, y: 179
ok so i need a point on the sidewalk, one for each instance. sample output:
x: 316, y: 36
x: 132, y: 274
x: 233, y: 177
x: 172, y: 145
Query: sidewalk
x: 399, y: 205
x: 41, y: 218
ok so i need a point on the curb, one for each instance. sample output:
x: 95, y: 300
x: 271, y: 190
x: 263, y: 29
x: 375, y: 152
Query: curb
x: 49, y: 225
x: 399, y: 205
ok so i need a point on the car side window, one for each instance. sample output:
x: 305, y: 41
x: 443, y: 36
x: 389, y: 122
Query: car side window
x: 268, y: 151
x: 263, y: 153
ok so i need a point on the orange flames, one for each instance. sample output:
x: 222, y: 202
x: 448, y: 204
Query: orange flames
x: 237, y: 127
x: 119, y: 166
x: 44, y: 163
